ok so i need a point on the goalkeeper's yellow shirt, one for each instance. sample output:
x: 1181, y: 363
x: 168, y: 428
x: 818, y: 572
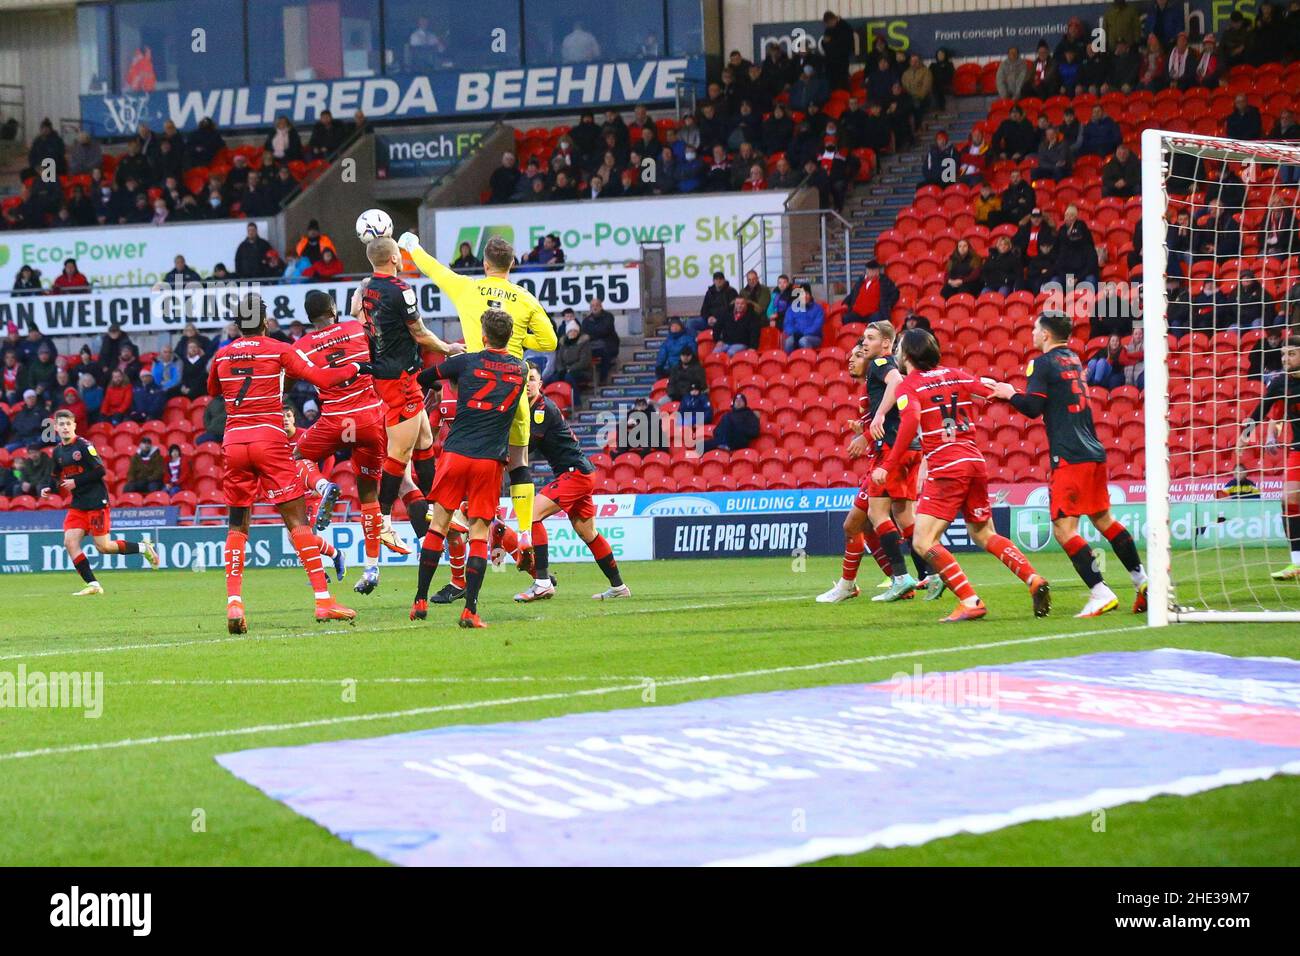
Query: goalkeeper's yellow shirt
x: 472, y: 296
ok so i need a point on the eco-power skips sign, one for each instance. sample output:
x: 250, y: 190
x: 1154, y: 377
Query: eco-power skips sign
x: 698, y: 232
x: 120, y: 256
x: 211, y: 307
x: 445, y: 93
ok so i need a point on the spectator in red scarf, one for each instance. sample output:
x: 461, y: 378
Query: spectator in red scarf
x: 1152, y: 71
x: 1209, y: 66
x: 176, y: 470
x: 972, y: 156
x: 872, y: 297
x: 70, y: 280
x: 757, y: 179
x: 11, y: 377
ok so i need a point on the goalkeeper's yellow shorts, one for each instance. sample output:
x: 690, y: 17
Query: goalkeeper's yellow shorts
x: 519, y: 430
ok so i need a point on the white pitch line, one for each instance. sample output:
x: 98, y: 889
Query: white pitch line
x: 397, y: 624
x: 536, y: 698
x: 330, y: 681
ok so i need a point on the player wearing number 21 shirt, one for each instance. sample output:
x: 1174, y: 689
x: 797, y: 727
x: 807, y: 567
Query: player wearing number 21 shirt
x: 936, y: 403
x: 249, y: 375
x: 1056, y: 390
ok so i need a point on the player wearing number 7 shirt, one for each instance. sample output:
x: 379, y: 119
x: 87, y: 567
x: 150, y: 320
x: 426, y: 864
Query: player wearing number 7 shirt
x: 1056, y: 390
x: 532, y: 330
x: 249, y: 374
x: 935, y: 402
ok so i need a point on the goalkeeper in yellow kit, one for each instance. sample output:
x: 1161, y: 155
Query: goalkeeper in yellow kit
x: 533, y: 330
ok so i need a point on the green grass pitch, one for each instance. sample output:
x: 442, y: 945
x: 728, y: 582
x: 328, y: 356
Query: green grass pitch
x: 126, y: 789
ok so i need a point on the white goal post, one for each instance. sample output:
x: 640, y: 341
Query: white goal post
x: 1213, y: 550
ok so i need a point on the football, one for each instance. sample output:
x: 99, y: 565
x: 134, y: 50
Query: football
x: 373, y: 224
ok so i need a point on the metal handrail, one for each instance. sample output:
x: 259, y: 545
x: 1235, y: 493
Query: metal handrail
x: 301, y: 186
x: 824, y: 216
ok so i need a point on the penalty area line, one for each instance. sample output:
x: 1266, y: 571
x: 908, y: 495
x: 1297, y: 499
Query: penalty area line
x: 539, y: 698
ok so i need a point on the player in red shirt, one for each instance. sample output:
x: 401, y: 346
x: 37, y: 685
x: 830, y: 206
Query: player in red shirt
x: 935, y: 402
x: 385, y: 306
x: 352, y: 416
x: 248, y: 374
x: 314, y: 483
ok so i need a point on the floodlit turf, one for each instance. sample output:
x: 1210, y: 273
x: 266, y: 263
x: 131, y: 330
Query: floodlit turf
x: 126, y: 788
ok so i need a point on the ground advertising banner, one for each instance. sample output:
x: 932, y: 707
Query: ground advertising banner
x: 269, y: 546
x: 120, y: 256
x: 791, y: 524
x: 212, y: 306
x: 698, y: 232
x: 982, y: 34
x: 790, y: 535
x: 1192, y: 525
x: 121, y: 518
x: 446, y: 93
x: 426, y: 154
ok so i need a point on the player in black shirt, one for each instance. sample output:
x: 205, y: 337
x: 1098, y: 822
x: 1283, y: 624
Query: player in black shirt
x: 1056, y: 390
x: 79, y: 472
x: 385, y: 305
x: 883, y: 513
x: 1284, y: 389
x: 488, y: 385
x: 570, y: 491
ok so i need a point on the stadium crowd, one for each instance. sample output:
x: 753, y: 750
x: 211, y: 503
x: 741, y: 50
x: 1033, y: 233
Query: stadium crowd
x: 792, y: 118
x: 1062, y: 126
x: 167, y: 176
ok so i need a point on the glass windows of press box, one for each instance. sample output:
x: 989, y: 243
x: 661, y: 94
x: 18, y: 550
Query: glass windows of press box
x: 424, y: 36
x: 583, y: 31
x: 94, y: 49
x: 685, y: 28
x: 178, y: 45
x: 292, y: 41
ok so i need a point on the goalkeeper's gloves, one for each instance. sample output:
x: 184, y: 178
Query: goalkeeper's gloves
x: 408, y: 241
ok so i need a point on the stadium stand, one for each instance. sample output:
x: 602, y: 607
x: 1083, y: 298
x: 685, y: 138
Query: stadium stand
x: 800, y: 397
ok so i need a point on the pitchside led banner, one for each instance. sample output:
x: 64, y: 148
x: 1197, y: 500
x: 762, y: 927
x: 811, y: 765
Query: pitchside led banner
x: 269, y: 546
x: 444, y: 93
x: 212, y: 306
x: 984, y: 34
x: 698, y: 232
x: 119, y: 256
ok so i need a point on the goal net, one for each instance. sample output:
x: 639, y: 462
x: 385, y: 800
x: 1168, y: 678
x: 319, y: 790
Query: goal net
x: 1220, y: 284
